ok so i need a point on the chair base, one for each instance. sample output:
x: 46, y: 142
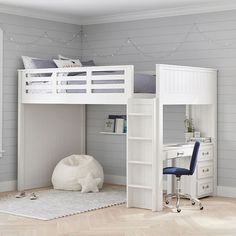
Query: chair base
x: 179, y: 195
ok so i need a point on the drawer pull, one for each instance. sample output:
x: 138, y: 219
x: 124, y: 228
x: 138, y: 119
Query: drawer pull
x: 205, y: 170
x: 180, y: 153
x: 205, y: 153
x: 205, y: 187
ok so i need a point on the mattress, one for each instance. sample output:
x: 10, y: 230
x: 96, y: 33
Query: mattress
x: 143, y: 83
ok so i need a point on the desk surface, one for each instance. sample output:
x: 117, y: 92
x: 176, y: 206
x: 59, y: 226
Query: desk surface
x: 171, y: 151
x: 172, y: 146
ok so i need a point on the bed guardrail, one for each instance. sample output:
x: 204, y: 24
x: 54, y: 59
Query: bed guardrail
x: 85, y: 85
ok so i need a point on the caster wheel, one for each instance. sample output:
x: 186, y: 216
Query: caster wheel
x: 178, y: 210
x: 193, y: 203
x: 201, y: 208
x: 167, y: 202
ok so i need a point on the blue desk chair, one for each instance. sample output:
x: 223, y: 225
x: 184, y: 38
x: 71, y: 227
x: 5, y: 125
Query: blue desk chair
x: 178, y: 172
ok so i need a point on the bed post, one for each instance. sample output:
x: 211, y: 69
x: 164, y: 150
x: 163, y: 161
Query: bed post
x: 20, y: 142
x: 158, y: 164
x: 1, y: 93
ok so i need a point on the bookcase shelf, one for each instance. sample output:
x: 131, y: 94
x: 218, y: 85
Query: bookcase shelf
x: 140, y: 162
x: 139, y: 186
x: 112, y: 133
x: 139, y: 114
x: 140, y: 138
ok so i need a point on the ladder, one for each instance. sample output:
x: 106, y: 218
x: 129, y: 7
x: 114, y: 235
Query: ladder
x: 141, y: 153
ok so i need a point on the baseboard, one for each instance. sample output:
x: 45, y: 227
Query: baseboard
x: 7, y: 186
x: 115, y: 179
x: 225, y: 191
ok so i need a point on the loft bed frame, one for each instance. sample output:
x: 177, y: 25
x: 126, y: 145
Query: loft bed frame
x: 51, y: 105
x: 77, y: 85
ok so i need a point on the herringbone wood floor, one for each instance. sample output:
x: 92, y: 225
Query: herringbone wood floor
x: 217, y: 218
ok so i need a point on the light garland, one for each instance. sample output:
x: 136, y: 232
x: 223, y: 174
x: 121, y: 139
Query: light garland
x: 195, y: 28
x: 44, y: 35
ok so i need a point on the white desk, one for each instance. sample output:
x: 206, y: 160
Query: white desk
x: 201, y: 183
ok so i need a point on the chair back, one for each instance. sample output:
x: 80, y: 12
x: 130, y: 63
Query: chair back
x: 193, y: 162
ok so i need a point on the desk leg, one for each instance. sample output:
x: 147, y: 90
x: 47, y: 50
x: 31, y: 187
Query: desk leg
x: 169, y: 183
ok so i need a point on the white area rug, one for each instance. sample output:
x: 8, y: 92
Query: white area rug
x: 52, y: 204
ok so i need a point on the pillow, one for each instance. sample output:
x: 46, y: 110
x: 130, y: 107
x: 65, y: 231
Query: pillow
x: 41, y: 63
x: 27, y: 61
x: 37, y: 63
x: 68, y: 63
x: 84, y: 63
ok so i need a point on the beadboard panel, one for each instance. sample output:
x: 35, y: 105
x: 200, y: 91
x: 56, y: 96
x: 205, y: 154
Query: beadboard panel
x: 215, y: 48
x: 23, y: 29
x: 110, y: 150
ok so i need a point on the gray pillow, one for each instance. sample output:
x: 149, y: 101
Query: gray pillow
x: 43, y: 64
x: 84, y: 63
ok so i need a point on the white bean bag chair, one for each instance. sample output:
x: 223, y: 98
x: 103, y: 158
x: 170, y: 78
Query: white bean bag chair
x: 71, y: 169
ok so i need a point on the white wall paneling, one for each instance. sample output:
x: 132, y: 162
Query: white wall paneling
x: 47, y: 134
x: 24, y: 29
x: 159, y: 37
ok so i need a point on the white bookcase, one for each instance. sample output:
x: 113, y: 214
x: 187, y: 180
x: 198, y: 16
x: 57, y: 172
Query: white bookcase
x: 140, y: 152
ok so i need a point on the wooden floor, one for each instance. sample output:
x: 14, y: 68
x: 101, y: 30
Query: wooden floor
x: 217, y: 218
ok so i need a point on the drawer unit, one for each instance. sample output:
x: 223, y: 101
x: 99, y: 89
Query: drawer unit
x: 201, y: 184
x: 204, y: 187
x: 205, y: 154
x: 205, y: 169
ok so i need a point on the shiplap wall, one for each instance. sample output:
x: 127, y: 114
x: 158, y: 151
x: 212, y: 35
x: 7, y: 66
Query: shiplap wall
x: 25, y: 29
x: 161, y: 36
x: 157, y: 37
x: 110, y: 150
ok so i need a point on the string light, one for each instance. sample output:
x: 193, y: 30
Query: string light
x: 194, y: 28
x: 39, y: 38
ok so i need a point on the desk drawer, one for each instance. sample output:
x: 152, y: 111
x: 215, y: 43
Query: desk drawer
x: 183, y: 152
x: 205, y: 169
x: 205, y: 154
x: 205, y: 187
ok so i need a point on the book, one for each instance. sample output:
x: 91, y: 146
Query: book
x: 109, y: 125
x: 125, y: 127
x: 115, y: 117
x: 119, y: 126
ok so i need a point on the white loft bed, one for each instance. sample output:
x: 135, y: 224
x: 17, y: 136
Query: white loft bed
x: 52, y: 120
x: 52, y: 85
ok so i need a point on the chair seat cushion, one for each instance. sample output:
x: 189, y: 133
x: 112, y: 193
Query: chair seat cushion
x: 176, y: 171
